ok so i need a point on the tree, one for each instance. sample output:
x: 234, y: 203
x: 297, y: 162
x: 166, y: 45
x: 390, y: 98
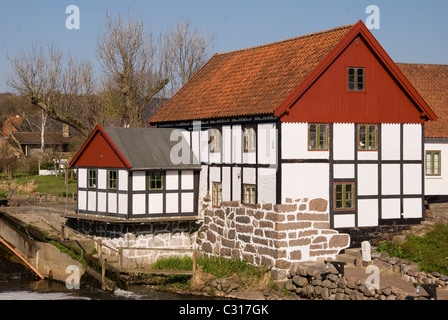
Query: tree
x: 61, y: 86
x: 185, y: 50
x: 128, y: 56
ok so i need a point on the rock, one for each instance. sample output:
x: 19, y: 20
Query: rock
x: 318, y: 290
x: 366, y: 291
x: 412, y: 273
x: 391, y: 297
x: 300, y: 281
x: 333, y: 277
x: 341, y: 296
x: 356, y: 295
x: 436, y: 274
x: 326, y: 283
x: 384, y: 256
x: 443, y: 278
x: 290, y: 285
x: 342, y: 282
x: 325, y: 294
x: 387, y: 291
x: 392, y: 260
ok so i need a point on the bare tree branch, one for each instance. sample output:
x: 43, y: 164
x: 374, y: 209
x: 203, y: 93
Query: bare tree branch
x: 60, y: 86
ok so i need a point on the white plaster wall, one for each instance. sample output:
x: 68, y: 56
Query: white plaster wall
x: 102, y: 200
x: 367, y: 155
x: 195, y: 145
x: 344, y: 171
x: 344, y: 141
x: 215, y: 175
x: 172, y: 203
x: 138, y: 204
x: 122, y: 180
x: 437, y: 185
x: 295, y: 143
x: 102, y: 179
x: 227, y: 143
x: 412, y: 179
x: 123, y: 203
x: 112, y: 202
x: 267, y: 143
x: 203, y: 182
x: 82, y: 199
x: 236, y: 172
x: 91, y: 200
x: 390, y: 208
x: 226, y: 171
x: 155, y: 203
x: 267, y: 185
x: 249, y: 176
x: 367, y: 179
x: 344, y: 221
x: 187, y: 202
x: 138, y: 181
x: 249, y: 157
x: 187, y: 180
x: 237, y: 144
x: 82, y: 178
x: 390, y: 177
x: 412, y: 208
x: 367, y: 212
x: 412, y: 140
x: 204, y: 146
x: 172, y: 180
x: 390, y: 141
x: 310, y: 179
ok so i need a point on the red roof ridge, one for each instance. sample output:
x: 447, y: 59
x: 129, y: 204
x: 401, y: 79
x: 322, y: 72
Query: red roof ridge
x: 309, y: 35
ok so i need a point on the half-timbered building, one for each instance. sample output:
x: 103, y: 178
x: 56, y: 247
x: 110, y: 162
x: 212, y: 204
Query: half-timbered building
x: 326, y: 115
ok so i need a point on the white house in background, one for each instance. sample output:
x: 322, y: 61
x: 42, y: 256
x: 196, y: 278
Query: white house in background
x: 326, y: 115
x: 431, y: 81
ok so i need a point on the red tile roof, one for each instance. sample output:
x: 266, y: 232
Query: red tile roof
x: 431, y: 82
x: 251, y: 81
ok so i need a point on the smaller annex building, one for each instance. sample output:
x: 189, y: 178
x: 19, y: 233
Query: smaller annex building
x: 128, y: 173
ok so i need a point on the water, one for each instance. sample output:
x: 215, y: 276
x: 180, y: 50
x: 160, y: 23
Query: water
x: 27, y: 289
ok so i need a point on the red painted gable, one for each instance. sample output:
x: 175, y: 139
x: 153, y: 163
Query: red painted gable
x: 100, y: 152
x: 323, y: 95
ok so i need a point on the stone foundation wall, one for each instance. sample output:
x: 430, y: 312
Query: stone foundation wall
x: 164, y: 235
x: 275, y: 235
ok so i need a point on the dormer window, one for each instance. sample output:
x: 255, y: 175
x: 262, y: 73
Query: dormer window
x: 356, y: 79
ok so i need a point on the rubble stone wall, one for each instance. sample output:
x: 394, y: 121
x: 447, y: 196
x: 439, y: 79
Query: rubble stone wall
x: 275, y: 235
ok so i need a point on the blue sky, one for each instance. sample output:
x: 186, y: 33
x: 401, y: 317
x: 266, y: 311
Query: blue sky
x: 410, y: 31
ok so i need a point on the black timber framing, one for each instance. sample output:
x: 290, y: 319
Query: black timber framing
x: 379, y: 161
x: 130, y: 193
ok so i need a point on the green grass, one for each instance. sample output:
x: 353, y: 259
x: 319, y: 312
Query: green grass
x: 44, y: 184
x: 217, y: 266
x: 53, y: 184
x: 430, y: 252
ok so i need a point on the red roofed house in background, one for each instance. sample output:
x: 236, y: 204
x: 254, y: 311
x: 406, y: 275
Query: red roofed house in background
x: 431, y: 81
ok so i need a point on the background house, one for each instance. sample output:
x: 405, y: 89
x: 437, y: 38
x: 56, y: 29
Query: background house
x: 431, y: 81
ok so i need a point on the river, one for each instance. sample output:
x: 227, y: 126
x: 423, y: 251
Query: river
x: 27, y: 289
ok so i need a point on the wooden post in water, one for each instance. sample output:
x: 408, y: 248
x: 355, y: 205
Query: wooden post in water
x: 103, y: 274
x: 100, y: 249
x: 120, y: 258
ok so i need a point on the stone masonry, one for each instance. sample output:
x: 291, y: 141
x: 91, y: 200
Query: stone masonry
x: 273, y: 235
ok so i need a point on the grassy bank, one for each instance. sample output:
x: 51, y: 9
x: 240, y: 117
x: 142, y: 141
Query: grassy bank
x: 240, y: 272
x: 27, y: 184
x: 430, y: 251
